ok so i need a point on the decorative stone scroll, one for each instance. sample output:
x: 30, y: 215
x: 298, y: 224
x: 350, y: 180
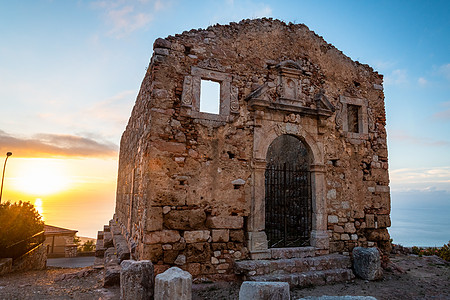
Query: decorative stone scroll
x: 286, y: 93
x: 186, y: 98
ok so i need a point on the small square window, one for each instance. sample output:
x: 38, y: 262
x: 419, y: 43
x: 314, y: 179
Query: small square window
x: 210, y: 97
x: 353, y: 118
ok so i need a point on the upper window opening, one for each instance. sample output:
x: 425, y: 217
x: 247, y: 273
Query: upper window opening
x: 353, y: 118
x: 210, y: 97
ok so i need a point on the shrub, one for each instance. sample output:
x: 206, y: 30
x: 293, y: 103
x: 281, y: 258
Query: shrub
x: 18, y: 221
x: 88, y: 246
x: 443, y: 252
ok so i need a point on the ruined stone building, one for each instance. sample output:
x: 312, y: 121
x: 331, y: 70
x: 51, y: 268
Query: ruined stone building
x: 292, y: 155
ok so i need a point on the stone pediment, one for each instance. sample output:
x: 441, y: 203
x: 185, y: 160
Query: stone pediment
x: 290, y: 92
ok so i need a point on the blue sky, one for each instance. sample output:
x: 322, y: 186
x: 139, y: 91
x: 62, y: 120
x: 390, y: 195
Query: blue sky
x: 70, y: 70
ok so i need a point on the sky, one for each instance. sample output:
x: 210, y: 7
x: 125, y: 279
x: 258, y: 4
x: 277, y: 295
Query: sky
x: 70, y: 72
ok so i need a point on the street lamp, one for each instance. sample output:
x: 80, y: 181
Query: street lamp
x: 8, y: 154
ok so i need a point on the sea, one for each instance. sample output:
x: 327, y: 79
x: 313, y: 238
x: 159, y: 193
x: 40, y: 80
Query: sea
x: 420, y: 218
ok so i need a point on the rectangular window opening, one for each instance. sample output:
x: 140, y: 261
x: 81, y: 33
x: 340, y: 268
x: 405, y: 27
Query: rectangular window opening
x: 353, y: 118
x: 210, y: 97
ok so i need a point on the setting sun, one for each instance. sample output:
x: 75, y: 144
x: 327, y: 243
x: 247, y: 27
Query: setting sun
x: 40, y: 177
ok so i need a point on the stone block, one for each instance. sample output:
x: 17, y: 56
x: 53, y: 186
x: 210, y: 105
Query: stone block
x: 370, y: 221
x: 154, y: 219
x: 264, y: 291
x: 228, y: 222
x: 350, y: 228
x: 185, y: 219
x: 173, y: 284
x: 220, y: 235
x: 378, y: 234
x: 162, y: 43
x: 338, y: 229
x: 121, y: 245
x: 111, y: 276
x: 237, y: 236
x: 107, y: 239
x: 347, y: 297
x: 152, y: 252
x: 136, y: 280
x: 333, y: 219
x: 383, y: 221
x: 367, y: 263
x: 196, y: 236
x: 162, y: 237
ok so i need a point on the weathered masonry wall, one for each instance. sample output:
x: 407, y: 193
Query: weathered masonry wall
x: 191, y: 184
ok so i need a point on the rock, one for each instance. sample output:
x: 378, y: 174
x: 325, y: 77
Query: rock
x: 367, y: 263
x: 264, y: 291
x: 136, y: 279
x: 121, y: 246
x: 111, y: 276
x: 107, y: 239
x: 173, y: 284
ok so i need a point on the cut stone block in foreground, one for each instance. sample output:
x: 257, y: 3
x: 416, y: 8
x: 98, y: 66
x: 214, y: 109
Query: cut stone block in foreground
x: 136, y: 280
x: 367, y: 263
x: 339, y: 298
x: 264, y: 291
x: 173, y: 284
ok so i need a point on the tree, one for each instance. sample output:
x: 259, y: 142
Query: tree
x: 88, y: 246
x: 18, y: 221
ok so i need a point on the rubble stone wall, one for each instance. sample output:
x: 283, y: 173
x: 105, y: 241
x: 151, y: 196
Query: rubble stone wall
x: 189, y: 182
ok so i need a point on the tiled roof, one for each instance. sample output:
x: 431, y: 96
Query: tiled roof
x: 52, y: 230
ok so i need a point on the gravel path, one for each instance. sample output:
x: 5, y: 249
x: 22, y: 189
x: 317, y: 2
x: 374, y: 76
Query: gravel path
x: 409, y: 277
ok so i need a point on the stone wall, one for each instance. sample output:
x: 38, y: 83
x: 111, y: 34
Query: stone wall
x: 35, y: 259
x: 191, y: 184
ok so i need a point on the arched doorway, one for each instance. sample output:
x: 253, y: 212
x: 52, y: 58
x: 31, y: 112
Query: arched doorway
x: 288, y: 193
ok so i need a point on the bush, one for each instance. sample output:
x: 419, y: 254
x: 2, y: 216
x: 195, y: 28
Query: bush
x: 443, y: 252
x: 18, y: 221
x: 88, y: 246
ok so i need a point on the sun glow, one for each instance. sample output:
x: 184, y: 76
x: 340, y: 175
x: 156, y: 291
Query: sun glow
x: 38, y: 206
x: 40, y: 177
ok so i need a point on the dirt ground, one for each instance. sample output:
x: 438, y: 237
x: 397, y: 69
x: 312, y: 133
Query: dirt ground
x: 409, y: 277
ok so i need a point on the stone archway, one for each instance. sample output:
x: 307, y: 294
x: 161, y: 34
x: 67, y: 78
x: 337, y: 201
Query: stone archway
x: 263, y: 137
x: 288, y: 203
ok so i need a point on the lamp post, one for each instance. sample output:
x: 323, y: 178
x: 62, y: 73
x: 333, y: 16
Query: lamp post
x: 8, y: 154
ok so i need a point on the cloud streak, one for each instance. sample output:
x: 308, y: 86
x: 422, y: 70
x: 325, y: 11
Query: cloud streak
x: 56, y: 145
x: 444, y: 114
x: 401, y: 136
x: 420, y: 179
x: 125, y: 17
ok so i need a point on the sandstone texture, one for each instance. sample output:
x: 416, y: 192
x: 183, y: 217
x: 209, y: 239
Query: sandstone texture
x: 191, y: 185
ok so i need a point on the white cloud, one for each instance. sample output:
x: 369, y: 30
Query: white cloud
x: 445, y: 70
x: 125, y: 17
x: 396, y: 77
x: 423, y: 179
x: 422, y: 81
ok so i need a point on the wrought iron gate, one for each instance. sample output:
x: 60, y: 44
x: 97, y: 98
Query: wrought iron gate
x: 288, y: 205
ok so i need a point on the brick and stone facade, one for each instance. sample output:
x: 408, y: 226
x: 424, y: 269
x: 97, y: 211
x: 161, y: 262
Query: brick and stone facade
x: 191, y: 186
